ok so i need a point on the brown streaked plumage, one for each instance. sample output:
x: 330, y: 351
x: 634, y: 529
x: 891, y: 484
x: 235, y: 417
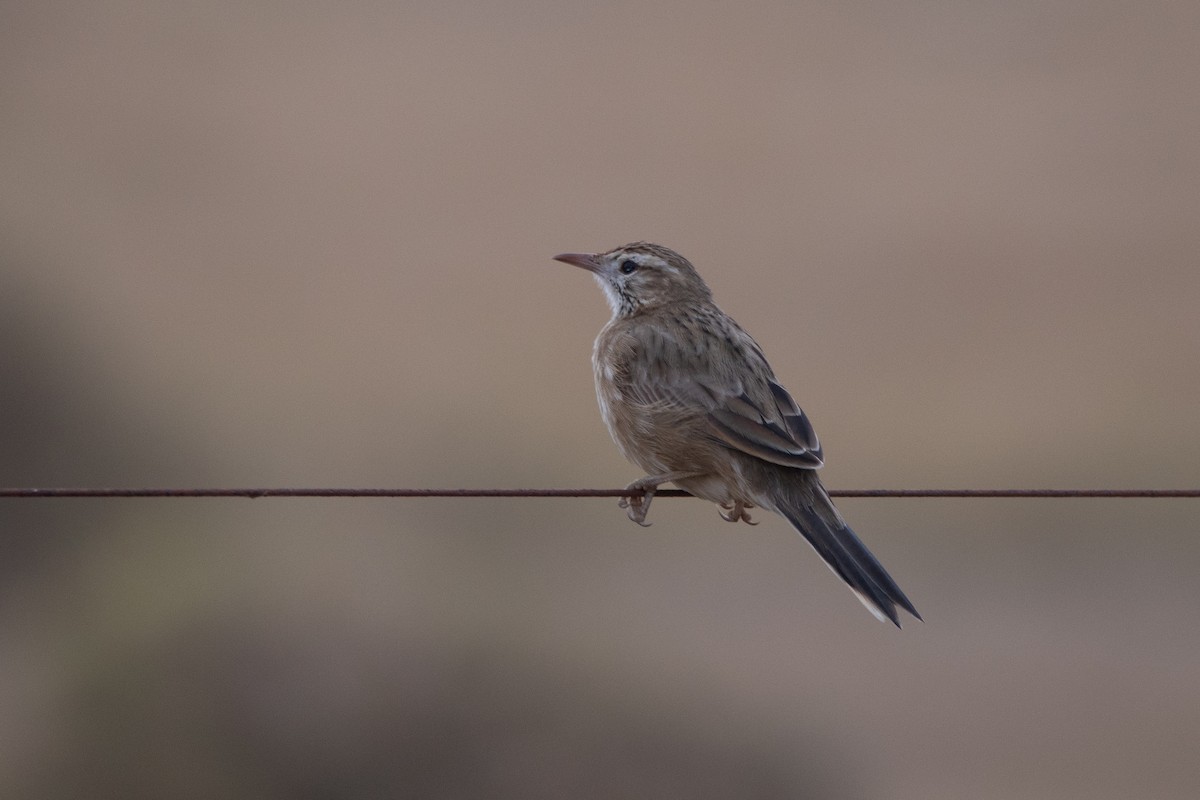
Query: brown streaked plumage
x: 689, y: 397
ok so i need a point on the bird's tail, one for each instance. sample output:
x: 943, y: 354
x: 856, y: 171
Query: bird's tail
x: 802, y: 499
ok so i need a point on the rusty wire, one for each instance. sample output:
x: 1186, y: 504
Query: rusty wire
x: 461, y: 493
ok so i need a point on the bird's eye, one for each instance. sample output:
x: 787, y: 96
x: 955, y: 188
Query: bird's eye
x: 628, y: 267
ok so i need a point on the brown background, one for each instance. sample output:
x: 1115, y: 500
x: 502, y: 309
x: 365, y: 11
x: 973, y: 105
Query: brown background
x: 309, y: 244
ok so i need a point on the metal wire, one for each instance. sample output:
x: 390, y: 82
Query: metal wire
x: 333, y: 492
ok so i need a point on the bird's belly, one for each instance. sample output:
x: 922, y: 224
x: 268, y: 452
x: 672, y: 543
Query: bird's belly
x: 641, y: 438
x: 714, y: 488
x: 662, y: 442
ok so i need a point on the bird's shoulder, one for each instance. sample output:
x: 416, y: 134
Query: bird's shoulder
x: 681, y: 334
x: 683, y: 350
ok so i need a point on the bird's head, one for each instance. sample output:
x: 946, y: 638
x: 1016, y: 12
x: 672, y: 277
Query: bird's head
x: 641, y: 276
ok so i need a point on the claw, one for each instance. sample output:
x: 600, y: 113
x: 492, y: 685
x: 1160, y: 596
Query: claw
x: 639, y: 505
x: 736, y: 512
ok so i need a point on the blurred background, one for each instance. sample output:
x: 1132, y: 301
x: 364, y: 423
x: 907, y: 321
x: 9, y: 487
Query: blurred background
x: 308, y: 244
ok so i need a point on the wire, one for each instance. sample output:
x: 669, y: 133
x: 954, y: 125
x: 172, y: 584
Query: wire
x: 281, y: 492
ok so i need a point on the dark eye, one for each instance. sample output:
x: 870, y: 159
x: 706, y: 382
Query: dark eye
x: 628, y: 267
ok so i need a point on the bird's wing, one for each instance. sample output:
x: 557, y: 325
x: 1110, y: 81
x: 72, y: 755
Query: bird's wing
x: 744, y: 407
x: 776, y: 430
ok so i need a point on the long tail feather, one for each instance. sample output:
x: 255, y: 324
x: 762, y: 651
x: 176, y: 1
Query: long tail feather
x: 809, y: 509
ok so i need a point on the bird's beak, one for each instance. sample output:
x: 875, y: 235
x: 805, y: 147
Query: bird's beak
x: 586, y: 260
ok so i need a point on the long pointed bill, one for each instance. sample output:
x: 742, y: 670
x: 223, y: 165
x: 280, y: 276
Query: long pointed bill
x: 587, y: 261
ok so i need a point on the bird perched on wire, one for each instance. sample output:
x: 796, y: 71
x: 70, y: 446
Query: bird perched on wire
x: 689, y: 397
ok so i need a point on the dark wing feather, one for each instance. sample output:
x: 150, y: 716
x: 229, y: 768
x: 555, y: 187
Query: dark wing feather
x: 780, y: 434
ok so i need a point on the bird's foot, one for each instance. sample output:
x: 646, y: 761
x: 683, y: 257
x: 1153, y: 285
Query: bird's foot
x: 638, y: 505
x: 643, y: 490
x: 737, y: 512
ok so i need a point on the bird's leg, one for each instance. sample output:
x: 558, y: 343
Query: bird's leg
x: 639, y: 504
x: 737, y: 512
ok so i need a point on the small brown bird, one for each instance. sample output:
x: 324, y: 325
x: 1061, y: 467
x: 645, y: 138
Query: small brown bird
x: 689, y: 397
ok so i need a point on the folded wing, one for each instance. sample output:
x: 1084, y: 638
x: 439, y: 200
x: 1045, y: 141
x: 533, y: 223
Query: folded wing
x: 776, y: 430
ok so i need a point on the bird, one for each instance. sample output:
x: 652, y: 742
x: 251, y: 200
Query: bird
x: 689, y: 397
